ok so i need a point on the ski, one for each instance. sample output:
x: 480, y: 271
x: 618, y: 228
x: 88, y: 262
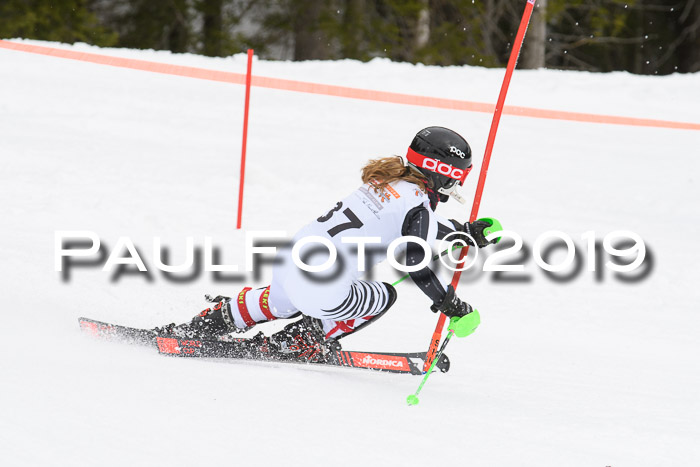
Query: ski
x: 110, y: 331
x: 240, y: 349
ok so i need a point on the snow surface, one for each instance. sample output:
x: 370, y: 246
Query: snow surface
x: 586, y: 372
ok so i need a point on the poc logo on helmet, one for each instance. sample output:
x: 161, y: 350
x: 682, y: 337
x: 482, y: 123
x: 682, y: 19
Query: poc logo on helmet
x: 435, y: 165
x: 457, y: 151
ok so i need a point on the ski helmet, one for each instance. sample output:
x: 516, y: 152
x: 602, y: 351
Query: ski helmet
x: 443, y: 157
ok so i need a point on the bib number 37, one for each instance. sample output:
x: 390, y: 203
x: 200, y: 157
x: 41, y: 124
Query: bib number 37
x: 353, y: 221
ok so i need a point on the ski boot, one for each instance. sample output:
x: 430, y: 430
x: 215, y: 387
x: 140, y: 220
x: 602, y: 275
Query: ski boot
x: 209, y: 324
x: 303, y: 341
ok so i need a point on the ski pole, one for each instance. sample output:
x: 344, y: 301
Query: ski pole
x: 515, y: 51
x: 460, y: 327
x: 412, y: 399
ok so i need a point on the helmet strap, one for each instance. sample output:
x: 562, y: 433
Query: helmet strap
x: 433, y: 197
x: 453, y: 193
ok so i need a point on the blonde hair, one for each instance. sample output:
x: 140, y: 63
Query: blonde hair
x: 381, y: 172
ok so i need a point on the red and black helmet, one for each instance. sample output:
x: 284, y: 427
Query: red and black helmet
x: 443, y: 157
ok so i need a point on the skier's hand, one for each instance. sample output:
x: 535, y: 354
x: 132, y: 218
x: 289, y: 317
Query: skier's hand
x: 451, y: 305
x: 474, y: 232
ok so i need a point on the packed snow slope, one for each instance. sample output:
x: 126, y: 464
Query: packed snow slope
x: 592, y: 371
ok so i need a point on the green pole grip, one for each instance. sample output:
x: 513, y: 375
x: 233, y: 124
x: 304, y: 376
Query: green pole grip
x: 494, y: 226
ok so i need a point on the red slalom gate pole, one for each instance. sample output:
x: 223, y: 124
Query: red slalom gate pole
x: 437, y: 334
x: 245, y: 137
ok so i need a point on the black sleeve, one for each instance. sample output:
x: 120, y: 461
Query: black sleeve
x: 416, y: 223
x: 444, y: 230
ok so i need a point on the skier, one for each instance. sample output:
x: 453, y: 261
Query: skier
x: 398, y: 198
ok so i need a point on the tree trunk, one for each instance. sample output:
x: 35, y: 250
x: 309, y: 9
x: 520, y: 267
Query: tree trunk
x: 308, y: 39
x: 689, y: 49
x: 422, y: 35
x: 178, y: 32
x: 353, y: 29
x: 212, y: 12
x: 533, y: 56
